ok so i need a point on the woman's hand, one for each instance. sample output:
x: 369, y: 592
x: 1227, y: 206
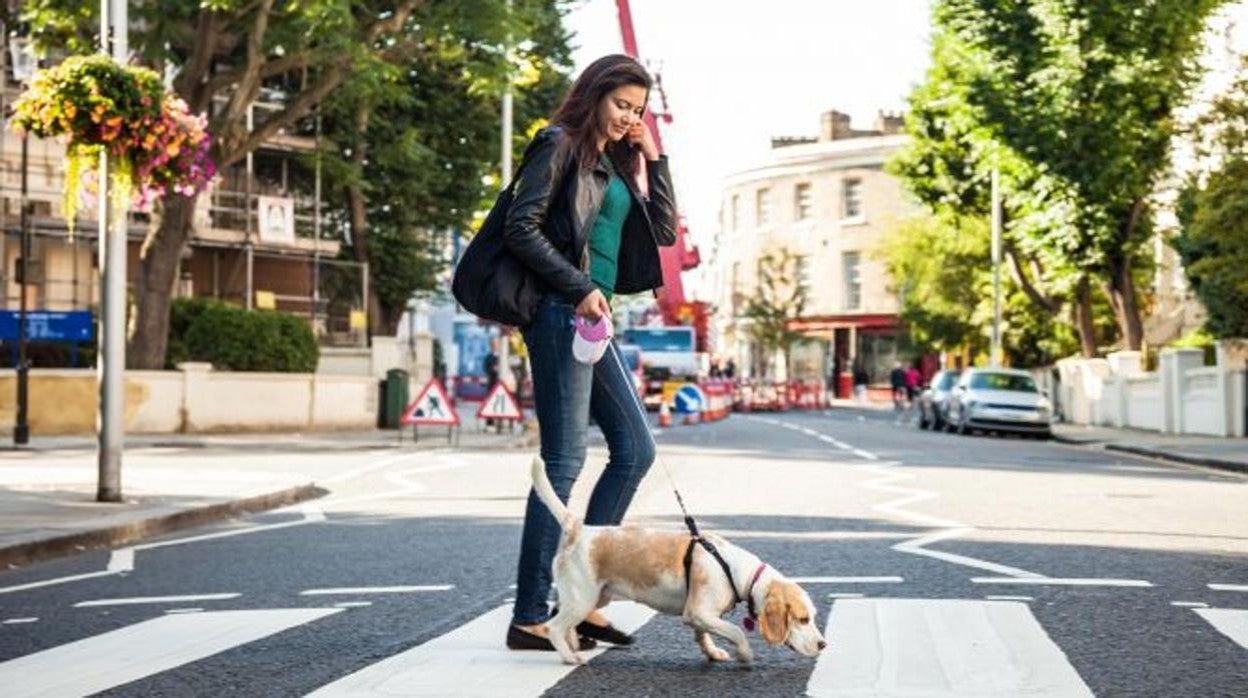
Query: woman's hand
x: 640, y: 136
x: 594, y: 305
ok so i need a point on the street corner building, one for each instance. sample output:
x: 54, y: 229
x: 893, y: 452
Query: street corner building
x: 827, y: 200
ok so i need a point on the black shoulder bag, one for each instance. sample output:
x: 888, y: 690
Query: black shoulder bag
x: 490, y: 282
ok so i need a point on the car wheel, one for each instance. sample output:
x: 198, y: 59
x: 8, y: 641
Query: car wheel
x: 963, y: 429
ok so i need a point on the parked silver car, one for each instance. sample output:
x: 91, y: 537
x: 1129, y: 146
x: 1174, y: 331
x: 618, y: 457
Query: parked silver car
x: 934, y: 400
x: 999, y: 399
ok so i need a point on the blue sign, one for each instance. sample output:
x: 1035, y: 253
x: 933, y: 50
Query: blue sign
x: 47, y: 326
x: 689, y: 399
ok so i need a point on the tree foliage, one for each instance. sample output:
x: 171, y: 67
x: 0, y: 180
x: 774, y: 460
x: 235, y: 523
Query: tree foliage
x: 942, y: 275
x: 426, y: 67
x: 779, y: 299
x: 1074, y: 103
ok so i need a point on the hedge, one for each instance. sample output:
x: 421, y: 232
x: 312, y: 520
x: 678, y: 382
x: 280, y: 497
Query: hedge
x: 234, y: 339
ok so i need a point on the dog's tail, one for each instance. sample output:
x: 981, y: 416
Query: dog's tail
x: 541, y: 484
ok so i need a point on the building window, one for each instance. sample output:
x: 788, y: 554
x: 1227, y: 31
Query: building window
x: 801, y: 201
x: 852, y: 198
x: 762, y: 207
x: 734, y: 211
x: 853, y: 280
x: 802, y: 262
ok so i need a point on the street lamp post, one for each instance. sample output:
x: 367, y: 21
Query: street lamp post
x: 996, y: 267
x: 23, y: 69
x: 114, y: 40
x: 21, y: 430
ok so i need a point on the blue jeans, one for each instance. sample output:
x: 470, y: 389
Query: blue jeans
x: 565, y: 393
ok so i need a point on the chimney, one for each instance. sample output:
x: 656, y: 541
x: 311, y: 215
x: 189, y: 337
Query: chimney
x: 833, y: 126
x: 889, y: 123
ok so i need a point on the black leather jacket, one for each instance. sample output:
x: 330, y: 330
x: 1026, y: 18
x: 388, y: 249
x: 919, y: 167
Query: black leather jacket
x: 553, y: 211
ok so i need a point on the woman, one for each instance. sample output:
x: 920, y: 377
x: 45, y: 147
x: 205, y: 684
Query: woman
x: 581, y: 226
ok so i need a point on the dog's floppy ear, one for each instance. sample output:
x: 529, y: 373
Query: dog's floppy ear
x: 775, y: 620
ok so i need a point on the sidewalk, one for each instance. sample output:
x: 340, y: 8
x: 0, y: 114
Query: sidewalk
x: 47, y: 490
x: 1211, y: 451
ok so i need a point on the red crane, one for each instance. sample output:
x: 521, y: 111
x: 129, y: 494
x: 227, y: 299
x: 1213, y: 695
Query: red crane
x: 681, y: 257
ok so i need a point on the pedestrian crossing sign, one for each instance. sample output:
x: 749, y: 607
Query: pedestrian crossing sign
x: 432, y: 407
x: 500, y: 404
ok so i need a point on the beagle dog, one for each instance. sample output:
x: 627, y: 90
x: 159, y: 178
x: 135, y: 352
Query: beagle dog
x: 596, y: 564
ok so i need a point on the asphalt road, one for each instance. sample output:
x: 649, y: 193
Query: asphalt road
x: 941, y: 565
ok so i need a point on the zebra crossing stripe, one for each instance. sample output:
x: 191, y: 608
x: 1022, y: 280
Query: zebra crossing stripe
x: 473, y: 661
x: 136, y: 651
x: 940, y: 647
x: 1231, y: 622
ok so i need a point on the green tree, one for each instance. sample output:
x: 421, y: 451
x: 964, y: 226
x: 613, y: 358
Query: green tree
x: 222, y: 53
x: 1213, y: 212
x: 411, y: 156
x: 1214, y: 246
x: 948, y: 163
x: 779, y: 299
x: 942, y: 275
x: 1086, y: 93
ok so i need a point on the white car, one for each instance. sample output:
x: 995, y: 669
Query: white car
x: 999, y: 399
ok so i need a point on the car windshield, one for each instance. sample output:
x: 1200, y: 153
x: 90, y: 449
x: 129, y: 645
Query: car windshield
x: 1003, y: 381
x: 946, y: 380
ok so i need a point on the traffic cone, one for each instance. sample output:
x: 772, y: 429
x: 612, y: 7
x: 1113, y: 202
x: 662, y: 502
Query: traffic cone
x: 665, y: 415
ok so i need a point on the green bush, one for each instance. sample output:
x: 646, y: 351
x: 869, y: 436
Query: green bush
x: 183, y: 313
x: 234, y: 339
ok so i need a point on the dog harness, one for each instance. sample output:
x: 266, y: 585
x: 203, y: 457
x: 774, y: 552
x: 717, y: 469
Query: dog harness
x: 696, y: 538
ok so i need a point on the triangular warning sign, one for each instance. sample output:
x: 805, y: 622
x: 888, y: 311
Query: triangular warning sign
x: 432, y: 407
x: 500, y: 404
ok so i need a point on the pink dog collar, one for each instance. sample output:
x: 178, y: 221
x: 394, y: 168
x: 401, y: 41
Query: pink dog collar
x: 751, y: 620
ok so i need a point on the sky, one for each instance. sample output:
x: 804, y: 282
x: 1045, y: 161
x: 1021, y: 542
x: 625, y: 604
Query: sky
x: 737, y: 73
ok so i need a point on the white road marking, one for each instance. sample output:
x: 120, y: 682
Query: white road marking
x: 847, y: 580
x: 1229, y: 587
x: 154, y: 599
x: 845, y: 595
x: 811, y: 535
x: 353, y: 604
x: 1231, y: 622
x: 940, y: 647
x: 1189, y: 604
x: 185, y: 610
x: 57, y: 580
x: 121, y: 561
x: 128, y: 654
x: 377, y: 590
x: 889, y: 474
x: 1006, y: 597
x: 20, y: 621
x: 916, y: 546
x: 1060, y: 581
x: 473, y: 661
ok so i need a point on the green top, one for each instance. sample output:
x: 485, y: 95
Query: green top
x: 604, y: 239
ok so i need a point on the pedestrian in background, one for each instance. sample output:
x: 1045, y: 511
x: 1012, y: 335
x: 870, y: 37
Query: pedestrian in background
x: 913, y: 381
x: 897, y: 379
x: 583, y: 230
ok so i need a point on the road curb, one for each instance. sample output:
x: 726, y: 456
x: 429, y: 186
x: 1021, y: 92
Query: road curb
x: 59, y: 546
x: 1207, y: 461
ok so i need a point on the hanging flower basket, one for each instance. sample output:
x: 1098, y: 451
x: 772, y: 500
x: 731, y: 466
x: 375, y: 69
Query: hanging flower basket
x: 155, y: 146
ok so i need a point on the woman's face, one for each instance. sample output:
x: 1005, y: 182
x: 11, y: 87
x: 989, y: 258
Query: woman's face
x: 620, y: 109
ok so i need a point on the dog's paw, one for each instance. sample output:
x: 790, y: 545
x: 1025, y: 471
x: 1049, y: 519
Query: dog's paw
x: 745, y: 656
x: 717, y: 654
x: 572, y: 659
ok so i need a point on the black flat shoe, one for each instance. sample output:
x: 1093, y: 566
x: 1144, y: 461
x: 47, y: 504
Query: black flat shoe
x: 518, y: 639
x: 605, y: 633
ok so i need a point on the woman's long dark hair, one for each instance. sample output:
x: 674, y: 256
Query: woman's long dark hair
x: 578, y: 114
